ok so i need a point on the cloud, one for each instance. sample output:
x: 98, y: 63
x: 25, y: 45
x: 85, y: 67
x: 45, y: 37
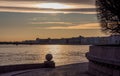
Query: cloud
x: 81, y: 26
x: 62, y: 23
x: 86, y: 26
x: 31, y: 6
x: 60, y: 1
x: 45, y: 10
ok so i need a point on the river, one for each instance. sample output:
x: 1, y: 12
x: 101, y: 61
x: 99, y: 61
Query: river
x: 28, y: 54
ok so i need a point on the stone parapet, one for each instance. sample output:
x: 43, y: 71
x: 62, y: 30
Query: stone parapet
x: 104, y: 60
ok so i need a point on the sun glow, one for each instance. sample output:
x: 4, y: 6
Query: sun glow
x: 53, y: 6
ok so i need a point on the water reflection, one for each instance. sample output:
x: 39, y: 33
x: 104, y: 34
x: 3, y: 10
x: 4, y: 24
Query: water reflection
x: 52, y: 49
x: 25, y: 54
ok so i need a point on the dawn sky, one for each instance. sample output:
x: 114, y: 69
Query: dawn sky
x: 28, y: 19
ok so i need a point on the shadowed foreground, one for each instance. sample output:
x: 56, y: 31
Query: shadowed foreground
x: 79, y: 69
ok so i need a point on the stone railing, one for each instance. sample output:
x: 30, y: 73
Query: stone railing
x: 104, y: 60
x: 47, y: 64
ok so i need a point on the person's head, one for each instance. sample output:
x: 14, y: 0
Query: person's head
x: 49, y: 57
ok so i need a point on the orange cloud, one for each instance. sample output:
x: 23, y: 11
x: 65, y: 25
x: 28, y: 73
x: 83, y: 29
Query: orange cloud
x: 81, y: 26
x: 64, y: 23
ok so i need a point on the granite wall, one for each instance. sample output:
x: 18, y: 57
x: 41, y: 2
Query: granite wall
x: 104, y: 60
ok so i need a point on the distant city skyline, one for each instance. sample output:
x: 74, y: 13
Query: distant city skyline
x: 28, y: 19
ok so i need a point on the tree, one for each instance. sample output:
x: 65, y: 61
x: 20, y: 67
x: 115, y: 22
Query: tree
x: 109, y: 15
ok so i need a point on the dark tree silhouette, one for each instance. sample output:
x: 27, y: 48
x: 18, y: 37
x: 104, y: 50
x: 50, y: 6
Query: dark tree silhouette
x: 109, y: 15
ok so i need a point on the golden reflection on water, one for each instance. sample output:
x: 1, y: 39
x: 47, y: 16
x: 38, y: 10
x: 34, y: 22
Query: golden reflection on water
x: 26, y: 54
x: 54, y: 49
x: 63, y: 54
x: 51, y: 49
x: 58, y: 52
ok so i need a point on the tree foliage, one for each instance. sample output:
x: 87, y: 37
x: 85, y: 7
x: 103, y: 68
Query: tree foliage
x: 109, y: 15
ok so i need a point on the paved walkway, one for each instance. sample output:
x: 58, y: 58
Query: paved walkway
x: 66, y: 70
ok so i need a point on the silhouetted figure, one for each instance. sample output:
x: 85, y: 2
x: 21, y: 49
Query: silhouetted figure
x: 49, y: 63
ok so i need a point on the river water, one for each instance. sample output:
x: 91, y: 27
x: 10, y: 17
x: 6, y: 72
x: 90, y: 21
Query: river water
x: 28, y: 54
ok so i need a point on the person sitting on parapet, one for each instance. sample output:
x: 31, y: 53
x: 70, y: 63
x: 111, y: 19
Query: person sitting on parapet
x: 49, y: 63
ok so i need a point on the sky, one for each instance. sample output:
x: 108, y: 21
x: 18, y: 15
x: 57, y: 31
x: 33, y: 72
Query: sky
x: 29, y: 19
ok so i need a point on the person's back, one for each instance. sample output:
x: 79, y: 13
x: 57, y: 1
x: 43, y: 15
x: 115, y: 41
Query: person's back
x: 49, y: 63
